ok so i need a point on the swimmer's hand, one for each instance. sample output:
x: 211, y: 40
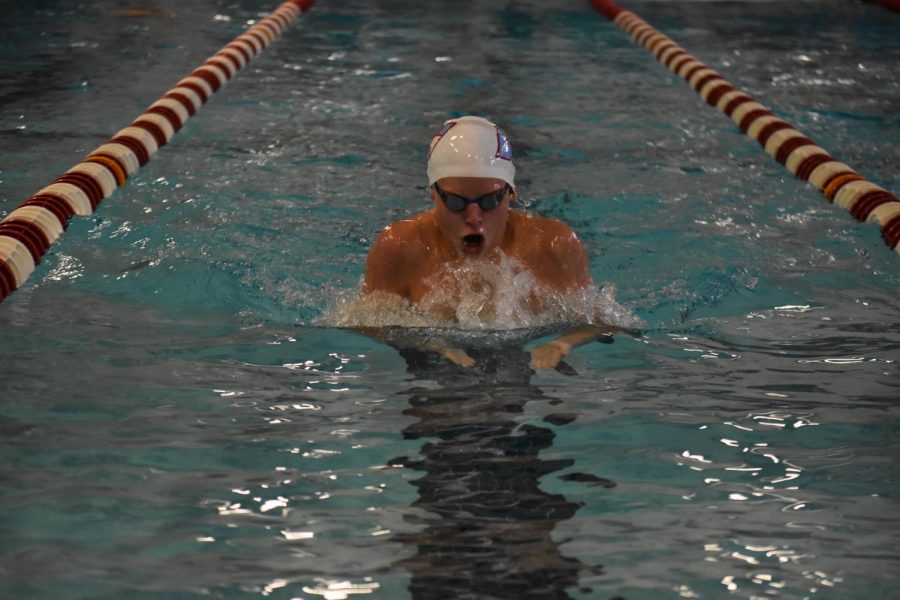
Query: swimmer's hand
x: 403, y: 337
x: 458, y: 356
x: 547, y: 356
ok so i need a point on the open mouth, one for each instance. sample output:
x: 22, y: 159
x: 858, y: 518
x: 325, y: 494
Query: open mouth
x: 473, y: 243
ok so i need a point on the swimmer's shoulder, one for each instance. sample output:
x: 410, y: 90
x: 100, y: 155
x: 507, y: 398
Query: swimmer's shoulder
x: 552, y: 251
x: 395, y: 261
x: 549, y: 233
x: 400, y: 235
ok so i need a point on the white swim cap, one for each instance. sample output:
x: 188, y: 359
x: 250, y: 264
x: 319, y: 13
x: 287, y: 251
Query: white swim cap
x: 470, y: 147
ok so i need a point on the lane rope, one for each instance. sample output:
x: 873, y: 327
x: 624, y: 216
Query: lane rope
x: 893, y: 5
x: 840, y: 184
x: 27, y: 233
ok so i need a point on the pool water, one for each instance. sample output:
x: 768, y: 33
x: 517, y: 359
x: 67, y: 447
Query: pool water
x: 184, y: 416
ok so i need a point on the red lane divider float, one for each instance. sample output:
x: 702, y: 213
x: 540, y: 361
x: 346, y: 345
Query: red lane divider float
x: 27, y: 232
x: 893, y: 5
x: 839, y: 183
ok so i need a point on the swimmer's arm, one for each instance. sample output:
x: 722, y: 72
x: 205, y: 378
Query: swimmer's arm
x: 387, y: 270
x: 435, y: 344
x: 400, y: 338
x: 548, y: 355
x: 572, y: 272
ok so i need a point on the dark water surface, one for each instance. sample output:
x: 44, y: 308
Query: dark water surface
x: 179, y: 420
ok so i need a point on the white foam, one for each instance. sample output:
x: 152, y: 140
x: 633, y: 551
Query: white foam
x: 498, y: 294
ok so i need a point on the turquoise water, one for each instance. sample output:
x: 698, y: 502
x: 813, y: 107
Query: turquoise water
x: 181, y: 419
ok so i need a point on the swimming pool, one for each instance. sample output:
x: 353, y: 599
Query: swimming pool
x: 180, y: 419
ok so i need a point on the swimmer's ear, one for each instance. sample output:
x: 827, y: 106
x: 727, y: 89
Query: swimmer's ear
x: 513, y: 196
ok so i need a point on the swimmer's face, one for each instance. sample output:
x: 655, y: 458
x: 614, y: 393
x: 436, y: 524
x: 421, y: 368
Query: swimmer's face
x: 472, y: 231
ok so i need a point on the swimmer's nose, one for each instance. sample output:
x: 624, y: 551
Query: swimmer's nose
x: 473, y: 214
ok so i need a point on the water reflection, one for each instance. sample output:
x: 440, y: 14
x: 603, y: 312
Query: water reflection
x: 488, y: 524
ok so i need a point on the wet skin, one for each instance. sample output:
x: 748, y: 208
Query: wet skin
x: 409, y: 255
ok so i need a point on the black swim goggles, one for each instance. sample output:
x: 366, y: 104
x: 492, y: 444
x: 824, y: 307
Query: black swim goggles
x: 456, y: 203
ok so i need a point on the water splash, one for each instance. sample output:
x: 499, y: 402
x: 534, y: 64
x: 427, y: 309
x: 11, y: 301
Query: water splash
x: 475, y: 295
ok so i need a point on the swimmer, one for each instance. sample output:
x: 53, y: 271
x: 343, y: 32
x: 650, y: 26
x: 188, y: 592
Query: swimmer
x: 471, y: 179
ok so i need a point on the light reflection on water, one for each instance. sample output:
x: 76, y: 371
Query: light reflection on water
x: 298, y: 454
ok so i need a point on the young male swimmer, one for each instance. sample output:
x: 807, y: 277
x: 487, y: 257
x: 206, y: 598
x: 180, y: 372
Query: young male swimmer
x: 471, y: 180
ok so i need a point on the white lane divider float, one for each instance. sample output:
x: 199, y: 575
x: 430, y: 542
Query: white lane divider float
x: 27, y: 232
x: 839, y: 183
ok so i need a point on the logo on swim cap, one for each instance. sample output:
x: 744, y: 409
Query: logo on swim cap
x: 444, y: 129
x: 504, y: 150
x: 470, y: 147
